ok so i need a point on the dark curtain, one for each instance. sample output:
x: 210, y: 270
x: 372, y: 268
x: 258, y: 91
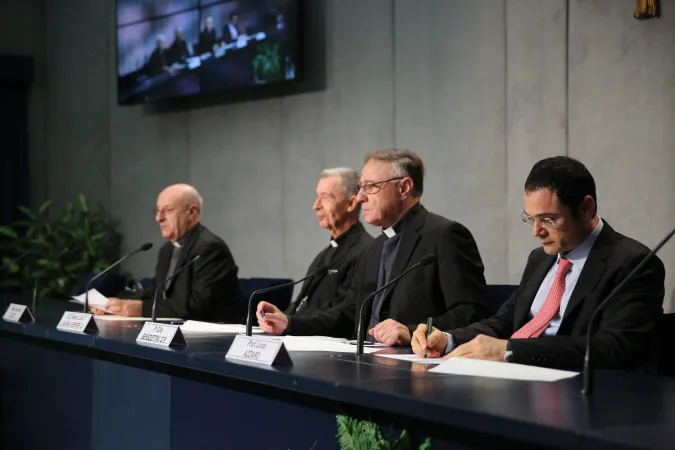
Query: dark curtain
x: 16, y: 74
x: 15, y: 79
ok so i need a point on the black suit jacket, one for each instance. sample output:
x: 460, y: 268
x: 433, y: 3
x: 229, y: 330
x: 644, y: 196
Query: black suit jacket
x: 206, y: 290
x: 207, y: 39
x: 623, y: 328
x: 451, y: 290
x: 321, y: 292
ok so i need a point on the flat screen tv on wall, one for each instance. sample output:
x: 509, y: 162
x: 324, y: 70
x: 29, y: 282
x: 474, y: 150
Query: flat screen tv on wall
x: 167, y: 49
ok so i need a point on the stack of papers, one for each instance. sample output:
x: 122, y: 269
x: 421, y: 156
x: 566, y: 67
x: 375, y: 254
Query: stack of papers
x: 96, y: 300
x: 195, y: 326
x: 320, y: 344
x: 503, y: 370
x: 411, y: 358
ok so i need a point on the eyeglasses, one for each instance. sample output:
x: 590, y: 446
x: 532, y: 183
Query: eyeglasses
x: 546, y: 222
x: 375, y: 186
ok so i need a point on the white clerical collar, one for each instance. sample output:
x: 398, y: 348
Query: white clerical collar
x: 389, y: 232
x: 333, y: 243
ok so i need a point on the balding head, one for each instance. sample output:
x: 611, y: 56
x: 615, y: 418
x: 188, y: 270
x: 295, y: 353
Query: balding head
x: 179, y: 209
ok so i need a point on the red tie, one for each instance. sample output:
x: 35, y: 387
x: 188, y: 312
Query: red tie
x: 540, y: 322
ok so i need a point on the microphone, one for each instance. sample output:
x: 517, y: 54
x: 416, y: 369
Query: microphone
x: 249, y: 313
x: 424, y: 261
x: 587, y: 388
x: 145, y: 247
x: 161, y: 286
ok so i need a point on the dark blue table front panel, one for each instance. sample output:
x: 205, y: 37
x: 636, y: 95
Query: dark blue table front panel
x: 46, y: 397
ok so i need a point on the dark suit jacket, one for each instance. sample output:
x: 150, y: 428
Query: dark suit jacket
x: 623, y: 328
x: 227, y: 34
x: 321, y: 292
x: 206, y: 40
x: 452, y: 289
x: 206, y: 290
x: 178, y: 52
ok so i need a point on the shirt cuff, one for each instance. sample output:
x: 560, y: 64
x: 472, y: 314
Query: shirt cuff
x: 451, y: 344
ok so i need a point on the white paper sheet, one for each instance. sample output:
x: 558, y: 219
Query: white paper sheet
x: 316, y: 344
x: 412, y: 358
x: 96, y: 299
x: 504, y: 370
x: 195, y: 326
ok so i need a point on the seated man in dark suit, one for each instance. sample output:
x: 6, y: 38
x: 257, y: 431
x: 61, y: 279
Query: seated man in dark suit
x: 580, y: 261
x: 231, y: 30
x: 337, y: 211
x: 207, y: 37
x: 160, y: 59
x: 206, y: 290
x: 451, y: 289
x: 178, y: 52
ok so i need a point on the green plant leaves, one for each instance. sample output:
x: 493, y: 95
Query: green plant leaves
x: 12, y: 266
x: 9, y: 232
x: 31, y: 215
x: 44, y: 207
x: 355, y: 434
x: 59, y: 249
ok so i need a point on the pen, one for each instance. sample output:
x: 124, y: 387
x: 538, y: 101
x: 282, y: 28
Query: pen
x: 426, y: 350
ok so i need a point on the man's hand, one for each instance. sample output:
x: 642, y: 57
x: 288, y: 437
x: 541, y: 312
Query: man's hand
x: 271, y: 319
x: 437, y: 342
x: 481, y: 347
x: 126, y: 308
x: 391, y: 332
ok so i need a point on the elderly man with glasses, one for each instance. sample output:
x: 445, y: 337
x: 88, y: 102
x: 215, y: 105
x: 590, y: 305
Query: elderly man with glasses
x: 208, y: 289
x: 451, y: 290
x: 581, y: 260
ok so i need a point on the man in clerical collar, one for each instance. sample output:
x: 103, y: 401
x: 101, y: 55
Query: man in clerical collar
x: 451, y: 289
x: 337, y: 211
x: 207, y: 289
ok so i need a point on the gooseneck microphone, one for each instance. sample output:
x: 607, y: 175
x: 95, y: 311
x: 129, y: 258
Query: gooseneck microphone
x: 161, y: 286
x: 249, y: 313
x: 424, y: 261
x: 587, y: 388
x: 145, y: 247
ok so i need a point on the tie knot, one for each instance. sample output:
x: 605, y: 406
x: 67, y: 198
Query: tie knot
x: 564, y: 265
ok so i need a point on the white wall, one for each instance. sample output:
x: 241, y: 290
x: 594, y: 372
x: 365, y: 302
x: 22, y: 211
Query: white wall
x: 481, y: 89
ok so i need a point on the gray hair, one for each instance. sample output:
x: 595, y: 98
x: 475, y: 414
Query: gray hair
x: 349, y: 178
x: 404, y: 163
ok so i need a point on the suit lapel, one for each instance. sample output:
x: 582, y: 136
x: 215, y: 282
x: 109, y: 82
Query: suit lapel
x: 184, y: 252
x: 163, y: 262
x: 530, y: 291
x: 373, y: 263
x: 593, y: 270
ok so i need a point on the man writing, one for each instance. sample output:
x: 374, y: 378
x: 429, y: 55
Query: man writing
x: 580, y: 261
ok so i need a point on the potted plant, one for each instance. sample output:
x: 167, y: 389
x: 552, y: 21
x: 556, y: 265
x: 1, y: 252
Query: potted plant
x: 356, y: 434
x: 58, y: 250
x: 268, y: 63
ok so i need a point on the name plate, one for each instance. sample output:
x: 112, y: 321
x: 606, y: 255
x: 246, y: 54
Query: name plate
x: 260, y: 350
x: 17, y: 314
x: 160, y: 334
x: 77, y: 322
